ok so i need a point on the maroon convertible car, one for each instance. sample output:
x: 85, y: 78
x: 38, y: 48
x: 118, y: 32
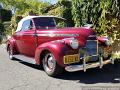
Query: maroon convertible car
x: 40, y: 40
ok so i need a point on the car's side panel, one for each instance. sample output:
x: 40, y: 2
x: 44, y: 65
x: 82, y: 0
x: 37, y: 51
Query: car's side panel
x: 17, y: 37
x: 28, y: 41
x: 47, y: 40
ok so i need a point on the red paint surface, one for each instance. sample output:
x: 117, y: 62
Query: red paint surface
x: 31, y: 43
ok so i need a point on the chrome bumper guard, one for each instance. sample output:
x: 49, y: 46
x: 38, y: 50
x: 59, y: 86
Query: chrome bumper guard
x: 85, y: 66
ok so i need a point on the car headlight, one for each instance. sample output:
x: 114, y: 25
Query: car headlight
x: 74, y: 43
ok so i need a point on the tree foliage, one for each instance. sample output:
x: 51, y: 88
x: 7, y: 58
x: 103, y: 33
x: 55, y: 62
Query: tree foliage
x: 63, y: 9
x: 5, y: 15
x: 76, y: 12
x: 24, y: 6
x: 109, y: 19
x: 66, y: 6
x: 103, y: 14
x: 21, y: 8
x: 85, y: 11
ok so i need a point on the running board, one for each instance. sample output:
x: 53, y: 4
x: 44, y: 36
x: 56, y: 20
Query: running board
x: 25, y: 59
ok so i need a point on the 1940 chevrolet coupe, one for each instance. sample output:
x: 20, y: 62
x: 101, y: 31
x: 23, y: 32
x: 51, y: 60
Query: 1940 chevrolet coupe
x: 39, y: 41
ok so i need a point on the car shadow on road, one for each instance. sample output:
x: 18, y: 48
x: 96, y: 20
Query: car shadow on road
x: 38, y: 67
x: 108, y: 74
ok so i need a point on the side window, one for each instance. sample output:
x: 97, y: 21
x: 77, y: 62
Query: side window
x: 27, y: 25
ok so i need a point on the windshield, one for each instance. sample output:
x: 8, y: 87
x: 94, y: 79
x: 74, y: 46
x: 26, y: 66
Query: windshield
x: 44, y: 22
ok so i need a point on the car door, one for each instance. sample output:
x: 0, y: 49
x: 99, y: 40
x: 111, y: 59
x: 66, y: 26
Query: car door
x: 27, y: 41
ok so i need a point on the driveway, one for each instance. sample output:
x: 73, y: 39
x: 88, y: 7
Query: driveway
x: 18, y: 75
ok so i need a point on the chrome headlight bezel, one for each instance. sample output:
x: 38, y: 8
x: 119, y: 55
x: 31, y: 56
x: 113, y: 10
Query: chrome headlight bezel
x: 74, y: 43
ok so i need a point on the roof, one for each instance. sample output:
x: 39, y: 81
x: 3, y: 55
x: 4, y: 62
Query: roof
x: 31, y: 17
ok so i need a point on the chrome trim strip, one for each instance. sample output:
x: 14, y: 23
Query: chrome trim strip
x: 25, y: 59
x: 59, y: 35
x: 97, y: 47
x: 51, y: 35
x: 24, y: 34
x: 92, y: 40
x: 92, y: 36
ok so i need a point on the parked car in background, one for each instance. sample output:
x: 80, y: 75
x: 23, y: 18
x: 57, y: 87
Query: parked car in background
x: 39, y: 41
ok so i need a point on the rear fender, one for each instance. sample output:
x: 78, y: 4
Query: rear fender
x: 12, y: 43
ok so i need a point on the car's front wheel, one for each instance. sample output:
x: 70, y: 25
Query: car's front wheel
x: 50, y: 65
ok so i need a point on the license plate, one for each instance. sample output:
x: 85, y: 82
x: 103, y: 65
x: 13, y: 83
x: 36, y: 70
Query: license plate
x: 68, y: 59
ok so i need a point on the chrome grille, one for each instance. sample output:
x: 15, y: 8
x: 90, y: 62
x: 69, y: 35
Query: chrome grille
x: 91, y: 47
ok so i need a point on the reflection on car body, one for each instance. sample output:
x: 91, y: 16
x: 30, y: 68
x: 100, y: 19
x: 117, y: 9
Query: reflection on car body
x: 38, y: 40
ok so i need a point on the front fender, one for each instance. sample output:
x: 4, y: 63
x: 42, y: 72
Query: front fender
x: 58, y: 49
x: 102, y: 40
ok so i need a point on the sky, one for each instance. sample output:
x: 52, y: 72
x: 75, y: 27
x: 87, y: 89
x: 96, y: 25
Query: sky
x: 51, y: 1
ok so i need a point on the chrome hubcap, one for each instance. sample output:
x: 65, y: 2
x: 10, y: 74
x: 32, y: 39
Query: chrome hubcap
x: 49, y: 62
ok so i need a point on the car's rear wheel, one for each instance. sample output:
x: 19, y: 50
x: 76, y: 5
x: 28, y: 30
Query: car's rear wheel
x: 50, y: 65
x: 10, y: 52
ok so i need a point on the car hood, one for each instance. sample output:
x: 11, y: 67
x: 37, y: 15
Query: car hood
x: 80, y: 33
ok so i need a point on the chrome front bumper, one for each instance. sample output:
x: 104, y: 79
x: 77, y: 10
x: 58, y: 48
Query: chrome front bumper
x: 84, y: 66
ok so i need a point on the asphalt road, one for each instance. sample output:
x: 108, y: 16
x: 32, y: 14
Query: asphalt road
x: 17, y: 75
